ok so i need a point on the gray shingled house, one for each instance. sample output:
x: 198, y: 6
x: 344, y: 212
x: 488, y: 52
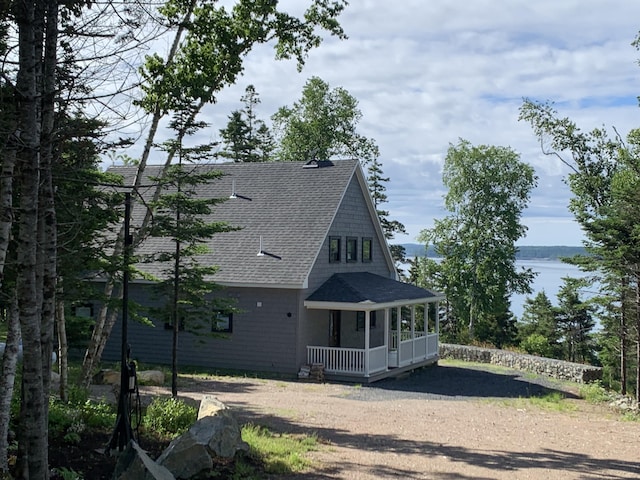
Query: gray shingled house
x: 311, y: 276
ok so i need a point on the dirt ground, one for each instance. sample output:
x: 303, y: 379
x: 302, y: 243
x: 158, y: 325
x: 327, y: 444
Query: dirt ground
x: 441, y: 423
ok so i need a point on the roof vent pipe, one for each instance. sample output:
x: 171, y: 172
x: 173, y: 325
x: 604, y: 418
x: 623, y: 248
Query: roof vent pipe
x: 261, y: 251
x: 233, y: 189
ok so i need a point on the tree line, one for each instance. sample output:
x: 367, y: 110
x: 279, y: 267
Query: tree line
x: 524, y: 252
x: 76, y: 75
x: 487, y: 189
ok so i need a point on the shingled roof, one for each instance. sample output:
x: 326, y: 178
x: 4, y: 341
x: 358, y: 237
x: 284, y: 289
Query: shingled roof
x: 364, y: 288
x: 285, y: 208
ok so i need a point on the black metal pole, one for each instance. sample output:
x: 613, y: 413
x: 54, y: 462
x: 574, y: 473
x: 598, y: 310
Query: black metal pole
x: 122, y: 433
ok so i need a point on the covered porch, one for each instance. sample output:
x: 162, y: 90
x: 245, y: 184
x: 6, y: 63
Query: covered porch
x: 375, y: 327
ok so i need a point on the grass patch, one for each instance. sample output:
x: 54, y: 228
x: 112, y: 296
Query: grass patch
x: 279, y: 453
x: 554, y: 401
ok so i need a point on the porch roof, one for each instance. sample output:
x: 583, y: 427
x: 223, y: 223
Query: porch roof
x: 367, y: 291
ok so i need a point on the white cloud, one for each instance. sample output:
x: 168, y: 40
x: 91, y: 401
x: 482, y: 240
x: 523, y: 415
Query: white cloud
x: 429, y: 72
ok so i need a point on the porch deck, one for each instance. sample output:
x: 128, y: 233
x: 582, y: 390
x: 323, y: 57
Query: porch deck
x: 378, y: 362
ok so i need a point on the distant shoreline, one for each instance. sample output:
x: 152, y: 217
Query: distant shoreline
x: 525, y: 252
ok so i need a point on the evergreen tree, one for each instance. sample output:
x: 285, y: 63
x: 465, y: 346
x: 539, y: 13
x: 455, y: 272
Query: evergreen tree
x: 390, y: 228
x: 180, y: 215
x: 537, y: 329
x: 247, y: 138
x: 575, y: 323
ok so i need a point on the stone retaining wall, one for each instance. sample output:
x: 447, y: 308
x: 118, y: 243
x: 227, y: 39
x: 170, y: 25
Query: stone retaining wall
x: 559, y: 369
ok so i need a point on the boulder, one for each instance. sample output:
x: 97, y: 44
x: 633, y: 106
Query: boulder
x: 151, y: 377
x: 107, y: 377
x: 135, y: 464
x: 210, y: 406
x: 213, y: 436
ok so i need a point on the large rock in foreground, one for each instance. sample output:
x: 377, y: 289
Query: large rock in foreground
x: 135, y: 464
x: 214, y: 436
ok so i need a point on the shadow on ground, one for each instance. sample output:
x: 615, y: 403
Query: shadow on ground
x: 460, y: 383
x: 504, y: 461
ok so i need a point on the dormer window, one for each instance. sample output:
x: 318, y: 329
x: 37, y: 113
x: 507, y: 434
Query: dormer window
x: 352, y: 249
x: 334, y: 249
x: 367, y: 254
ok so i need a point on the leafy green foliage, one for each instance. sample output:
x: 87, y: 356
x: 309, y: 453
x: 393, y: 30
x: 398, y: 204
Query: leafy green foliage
x: 216, y: 41
x: 594, y: 392
x: 71, y: 420
x: 68, y: 474
x: 488, y: 188
x: 169, y: 416
x: 537, y: 344
x: 322, y: 125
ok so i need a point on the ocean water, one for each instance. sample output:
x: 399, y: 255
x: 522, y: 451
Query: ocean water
x: 549, y: 279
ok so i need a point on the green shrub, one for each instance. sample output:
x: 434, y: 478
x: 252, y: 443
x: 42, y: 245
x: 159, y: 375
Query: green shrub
x: 536, y: 344
x: 62, y: 416
x: 78, y: 395
x: 69, y: 420
x: 68, y: 474
x: 98, y: 414
x: 594, y: 392
x: 169, y: 416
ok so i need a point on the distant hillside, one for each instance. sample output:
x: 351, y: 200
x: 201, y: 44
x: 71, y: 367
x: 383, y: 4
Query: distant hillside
x: 524, y: 252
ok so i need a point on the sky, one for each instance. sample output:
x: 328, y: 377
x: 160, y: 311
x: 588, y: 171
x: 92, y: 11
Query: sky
x: 428, y: 73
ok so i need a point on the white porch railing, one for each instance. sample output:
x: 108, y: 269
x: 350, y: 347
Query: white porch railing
x: 414, y: 350
x: 338, y: 360
x: 352, y: 361
x: 404, y: 336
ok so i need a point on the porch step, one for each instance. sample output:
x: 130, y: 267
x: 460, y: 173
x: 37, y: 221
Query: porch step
x: 313, y: 372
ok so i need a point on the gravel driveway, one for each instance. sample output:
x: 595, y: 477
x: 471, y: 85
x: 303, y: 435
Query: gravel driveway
x: 446, y: 422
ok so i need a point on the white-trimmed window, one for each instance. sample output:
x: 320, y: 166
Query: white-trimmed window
x: 352, y: 249
x: 334, y: 249
x: 222, y: 322
x: 367, y: 250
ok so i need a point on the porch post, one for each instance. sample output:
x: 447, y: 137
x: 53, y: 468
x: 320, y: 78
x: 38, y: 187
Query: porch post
x: 386, y: 328
x: 413, y: 332
x: 426, y: 319
x: 367, y: 341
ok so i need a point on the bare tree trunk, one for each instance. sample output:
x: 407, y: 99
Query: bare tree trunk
x: 63, y: 348
x: 7, y: 380
x: 6, y: 204
x: 91, y: 355
x: 46, y: 210
x: 33, y: 428
x: 637, y: 337
x: 623, y: 335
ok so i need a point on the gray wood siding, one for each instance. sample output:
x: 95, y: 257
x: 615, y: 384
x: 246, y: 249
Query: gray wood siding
x: 263, y: 338
x: 352, y: 220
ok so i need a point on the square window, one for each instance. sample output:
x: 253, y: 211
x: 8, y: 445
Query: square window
x: 334, y: 249
x: 352, y: 249
x: 222, y: 322
x: 367, y: 254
